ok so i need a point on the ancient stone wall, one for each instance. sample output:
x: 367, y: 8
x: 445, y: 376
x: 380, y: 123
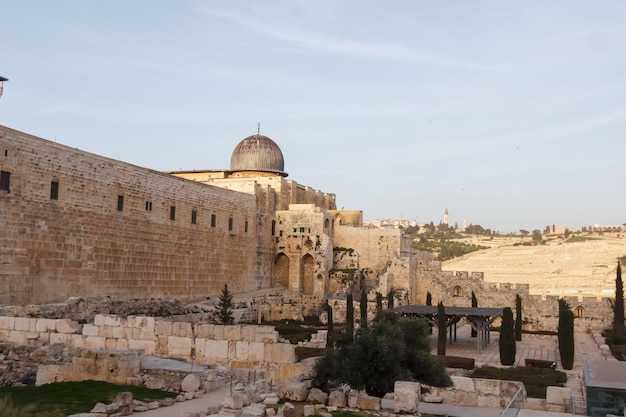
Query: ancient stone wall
x: 538, y: 312
x: 256, y: 347
x: 74, y: 223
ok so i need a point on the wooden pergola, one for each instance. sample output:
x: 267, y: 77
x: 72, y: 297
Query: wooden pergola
x: 479, y: 318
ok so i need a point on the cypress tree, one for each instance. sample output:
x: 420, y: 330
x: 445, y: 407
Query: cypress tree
x: 379, y: 302
x: 474, y: 304
x: 429, y: 299
x: 518, y: 317
x: 349, y: 318
x: 330, y: 340
x: 507, y: 338
x: 441, y: 326
x: 618, y: 305
x: 566, y: 334
x: 390, y: 299
x: 224, y: 311
x: 363, y: 305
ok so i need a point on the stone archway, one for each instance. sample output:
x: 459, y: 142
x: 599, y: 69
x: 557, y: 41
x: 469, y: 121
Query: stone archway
x: 281, y: 271
x: 306, y: 274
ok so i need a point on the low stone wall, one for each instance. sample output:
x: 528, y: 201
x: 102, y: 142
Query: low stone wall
x: 478, y: 392
x: 105, y: 365
x: 258, y: 347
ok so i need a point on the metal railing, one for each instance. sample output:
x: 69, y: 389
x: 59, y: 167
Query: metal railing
x: 516, y: 404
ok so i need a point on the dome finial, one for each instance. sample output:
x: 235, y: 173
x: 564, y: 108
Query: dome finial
x: 258, y: 129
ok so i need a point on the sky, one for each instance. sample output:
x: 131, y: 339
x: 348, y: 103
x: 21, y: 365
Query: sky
x: 508, y: 114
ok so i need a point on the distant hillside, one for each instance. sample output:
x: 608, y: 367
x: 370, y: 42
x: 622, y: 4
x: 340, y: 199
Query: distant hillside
x: 577, y: 266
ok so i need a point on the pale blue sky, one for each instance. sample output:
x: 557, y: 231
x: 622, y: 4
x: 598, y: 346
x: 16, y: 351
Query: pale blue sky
x: 511, y: 114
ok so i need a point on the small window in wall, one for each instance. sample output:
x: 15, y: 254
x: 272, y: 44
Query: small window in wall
x: 54, y: 190
x: 213, y: 220
x: 457, y: 292
x: 245, y: 227
x: 273, y: 227
x: 580, y: 312
x: 194, y: 216
x: 302, y: 230
x: 148, y: 205
x: 172, y: 213
x: 280, y: 233
x: 295, y: 230
x: 230, y: 223
x: 5, y: 181
x: 6, y: 152
x: 120, y: 202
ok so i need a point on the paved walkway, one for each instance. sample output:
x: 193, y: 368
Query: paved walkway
x: 201, y: 404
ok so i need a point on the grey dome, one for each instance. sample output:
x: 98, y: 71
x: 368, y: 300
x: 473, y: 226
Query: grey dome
x: 258, y: 153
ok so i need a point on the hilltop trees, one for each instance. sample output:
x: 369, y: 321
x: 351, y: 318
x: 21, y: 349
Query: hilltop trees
x: 393, y: 348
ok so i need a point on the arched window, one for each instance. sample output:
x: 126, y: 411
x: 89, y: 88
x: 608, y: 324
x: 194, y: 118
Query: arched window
x: 457, y: 292
x: 579, y: 311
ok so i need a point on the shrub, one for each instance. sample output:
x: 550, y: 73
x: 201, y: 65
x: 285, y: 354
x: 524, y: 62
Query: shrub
x: 507, y: 338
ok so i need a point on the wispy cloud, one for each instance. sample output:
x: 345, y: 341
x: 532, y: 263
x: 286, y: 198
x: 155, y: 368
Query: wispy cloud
x: 342, y: 46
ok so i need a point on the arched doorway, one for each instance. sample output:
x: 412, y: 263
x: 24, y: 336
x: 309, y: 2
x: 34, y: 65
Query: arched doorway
x: 281, y: 270
x: 306, y: 274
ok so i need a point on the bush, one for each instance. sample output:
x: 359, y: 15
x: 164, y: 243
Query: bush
x: 393, y: 348
x: 507, y: 338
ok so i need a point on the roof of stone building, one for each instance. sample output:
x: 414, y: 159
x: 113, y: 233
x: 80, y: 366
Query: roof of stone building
x: 258, y: 153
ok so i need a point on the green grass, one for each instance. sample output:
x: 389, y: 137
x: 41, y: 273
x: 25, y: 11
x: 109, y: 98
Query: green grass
x: 64, y: 398
x: 536, y: 380
x: 575, y: 239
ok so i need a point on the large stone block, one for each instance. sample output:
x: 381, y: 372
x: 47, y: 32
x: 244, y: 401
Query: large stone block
x: 242, y: 350
x: 232, y: 332
x: 256, y: 351
x: 148, y: 346
x: 248, y: 333
x: 105, y: 331
x: 179, y: 347
x: 163, y: 328
x: 293, y: 390
x: 558, y: 395
x: 280, y: 353
x: 45, y: 325
x: 7, y: 323
x: 181, y: 329
x: 488, y: 401
x: 205, y: 331
x: 95, y: 342
x: 368, y: 402
x: 216, y: 350
x: 337, y: 399
x: 462, y: 383
x: 24, y: 324
x: 91, y: 330
x: 68, y: 327
x: 406, y: 396
x: 266, y: 334
x: 58, y: 339
x: 143, y: 322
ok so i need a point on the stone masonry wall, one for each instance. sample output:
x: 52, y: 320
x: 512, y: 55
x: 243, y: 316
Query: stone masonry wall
x: 538, y: 312
x: 256, y: 347
x: 118, y: 229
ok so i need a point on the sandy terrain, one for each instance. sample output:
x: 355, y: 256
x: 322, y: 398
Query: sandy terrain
x: 582, y: 268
